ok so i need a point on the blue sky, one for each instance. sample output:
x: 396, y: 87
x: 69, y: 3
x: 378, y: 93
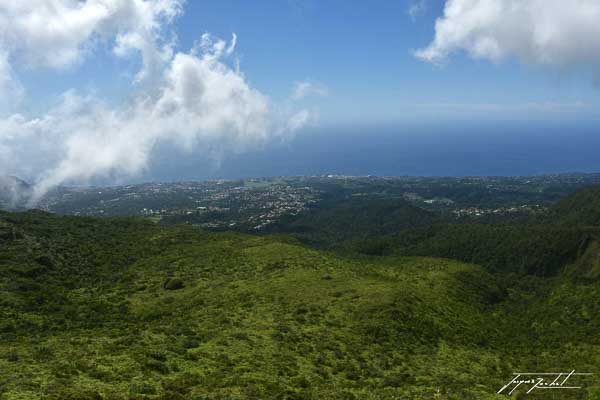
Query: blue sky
x: 362, y: 51
x: 115, y: 90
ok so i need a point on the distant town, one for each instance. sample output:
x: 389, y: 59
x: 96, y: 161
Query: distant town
x: 255, y: 204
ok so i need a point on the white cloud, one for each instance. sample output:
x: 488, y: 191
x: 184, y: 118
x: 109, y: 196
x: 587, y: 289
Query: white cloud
x: 307, y: 88
x: 549, y: 32
x: 11, y: 190
x: 197, y: 101
x: 59, y: 33
x: 300, y: 119
x: 417, y: 9
x: 201, y: 103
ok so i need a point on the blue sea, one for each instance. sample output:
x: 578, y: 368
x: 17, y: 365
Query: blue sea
x: 501, y: 148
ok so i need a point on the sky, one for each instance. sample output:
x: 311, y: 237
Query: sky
x: 125, y: 90
x: 364, y: 53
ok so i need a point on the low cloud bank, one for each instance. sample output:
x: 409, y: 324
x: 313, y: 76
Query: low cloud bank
x: 198, y: 100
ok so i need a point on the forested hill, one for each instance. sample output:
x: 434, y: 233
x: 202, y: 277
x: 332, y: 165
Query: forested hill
x: 540, y: 245
x: 335, y: 221
x: 581, y: 208
x: 124, y: 309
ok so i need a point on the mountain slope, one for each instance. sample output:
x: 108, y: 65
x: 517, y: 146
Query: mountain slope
x: 123, y: 309
x: 336, y: 221
x: 580, y: 208
x: 542, y: 250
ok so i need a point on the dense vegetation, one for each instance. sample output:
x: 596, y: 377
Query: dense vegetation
x: 541, y: 250
x: 581, y: 208
x: 526, y: 244
x: 124, y: 309
x: 337, y: 220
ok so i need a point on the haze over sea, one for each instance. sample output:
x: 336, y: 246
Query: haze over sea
x: 493, y: 148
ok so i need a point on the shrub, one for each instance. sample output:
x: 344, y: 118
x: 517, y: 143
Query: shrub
x: 174, y: 284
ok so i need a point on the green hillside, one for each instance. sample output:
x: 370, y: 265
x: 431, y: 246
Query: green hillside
x: 541, y: 250
x: 580, y: 208
x: 337, y: 220
x: 123, y: 309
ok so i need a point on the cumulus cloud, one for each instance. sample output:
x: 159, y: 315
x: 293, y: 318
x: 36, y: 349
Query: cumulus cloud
x: 307, y: 88
x: 549, y: 32
x: 202, y: 102
x: 60, y: 33
x: 199, y: 101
